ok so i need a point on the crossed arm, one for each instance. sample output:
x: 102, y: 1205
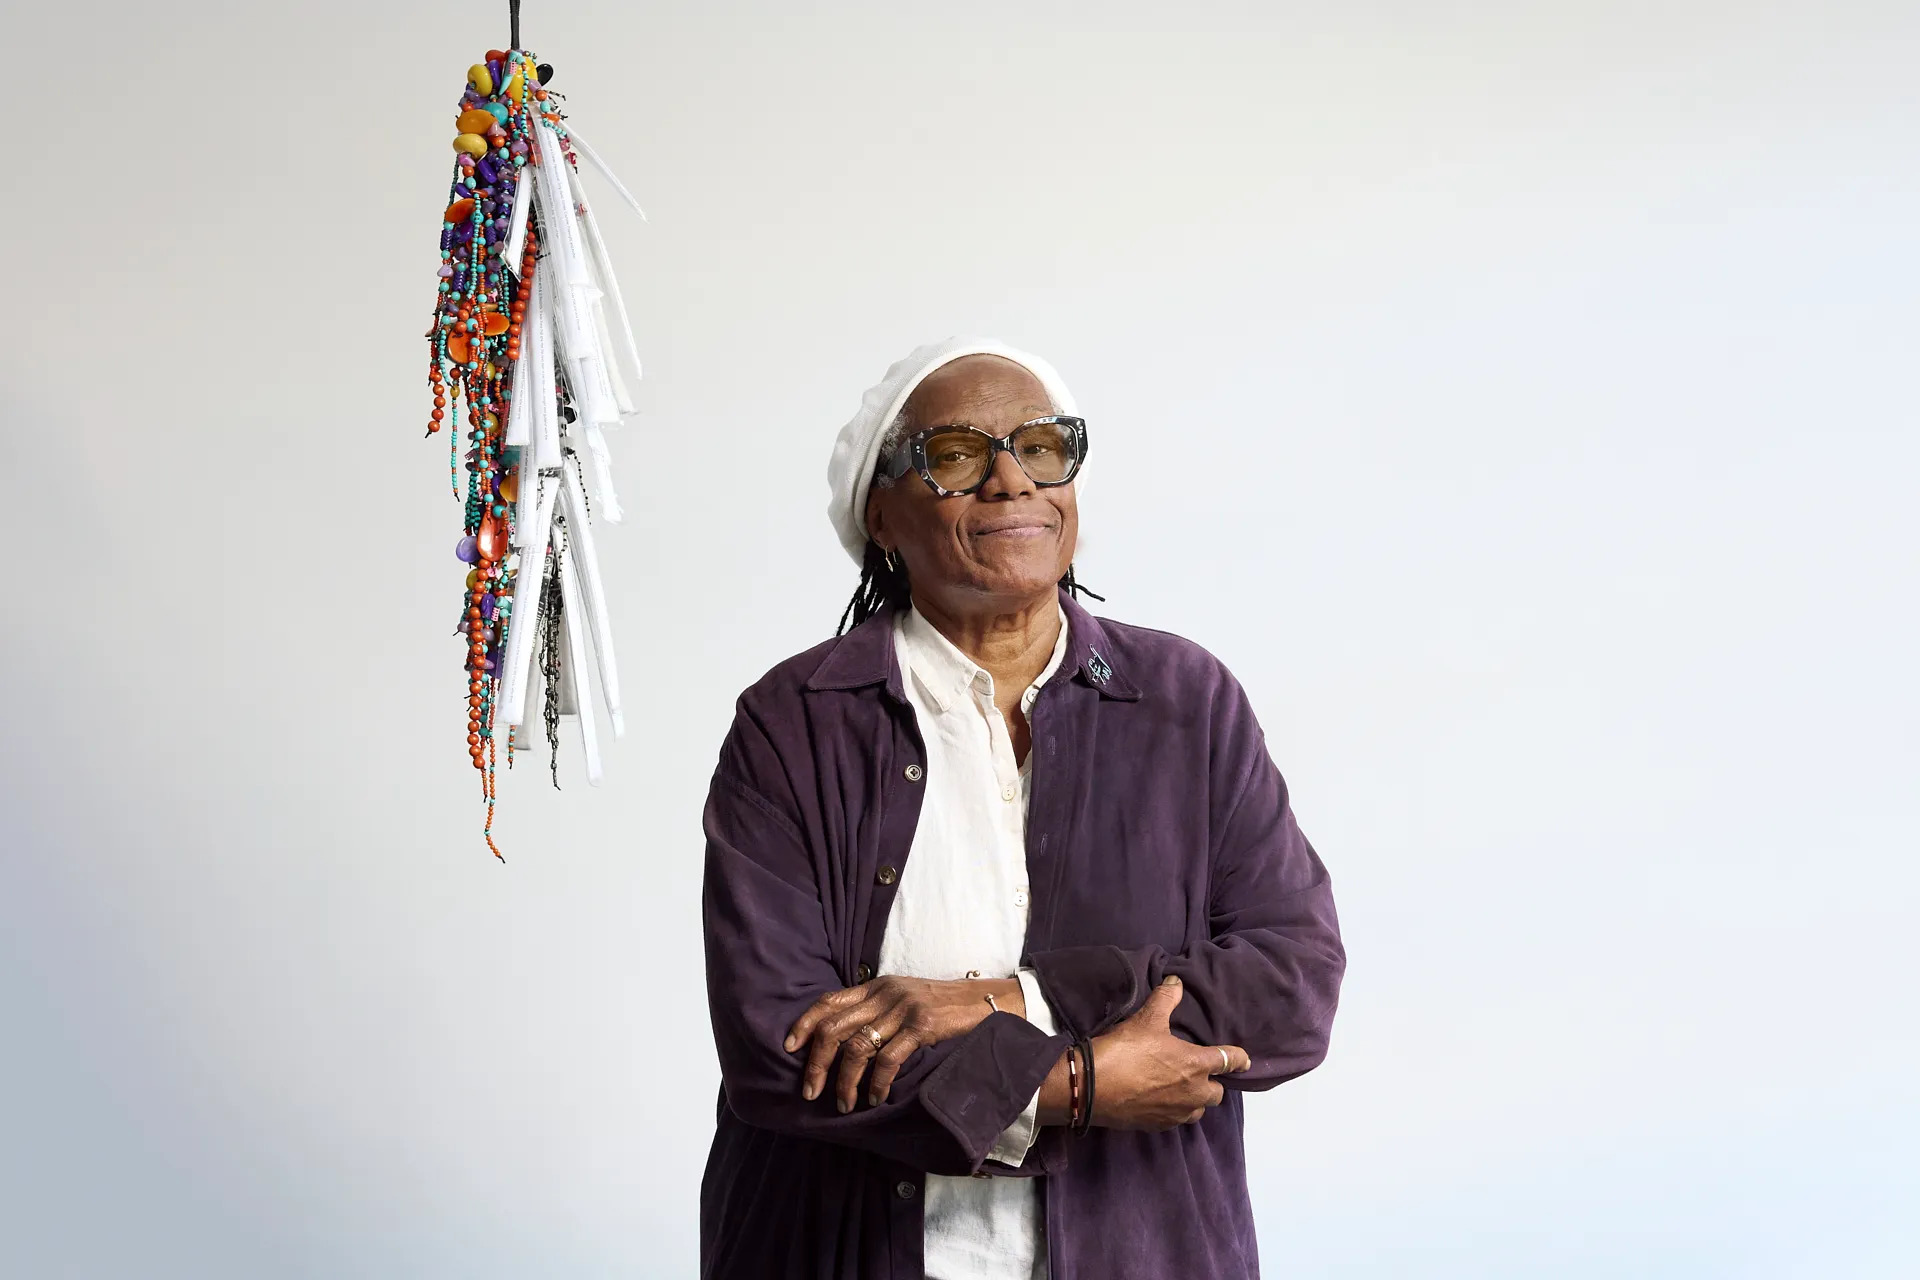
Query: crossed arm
x: 1150, y: 1078
x: 1263, y: 986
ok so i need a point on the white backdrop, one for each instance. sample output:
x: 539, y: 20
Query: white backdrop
x: 1518, y: 397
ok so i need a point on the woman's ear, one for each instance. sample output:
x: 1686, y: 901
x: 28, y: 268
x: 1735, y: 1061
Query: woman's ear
x: 876, y: 520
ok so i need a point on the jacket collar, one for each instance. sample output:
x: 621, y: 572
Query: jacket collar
x: 865, y: 656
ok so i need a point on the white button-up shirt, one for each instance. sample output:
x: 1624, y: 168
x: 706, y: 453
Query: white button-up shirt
x: 961, y: 909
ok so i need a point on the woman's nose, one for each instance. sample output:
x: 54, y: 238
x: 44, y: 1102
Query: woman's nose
x: 1006, y: 478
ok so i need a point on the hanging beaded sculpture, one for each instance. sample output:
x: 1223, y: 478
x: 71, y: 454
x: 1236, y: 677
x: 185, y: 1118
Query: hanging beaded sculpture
x: 521, y: 347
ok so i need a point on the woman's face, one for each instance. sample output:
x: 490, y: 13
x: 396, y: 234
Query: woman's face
x: 1003, y: 545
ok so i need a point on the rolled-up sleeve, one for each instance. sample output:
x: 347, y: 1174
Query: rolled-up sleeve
x: 769, y: 958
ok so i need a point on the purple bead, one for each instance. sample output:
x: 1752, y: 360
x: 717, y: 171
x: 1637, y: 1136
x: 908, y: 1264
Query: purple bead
x: 468, y: 549
x: 487, y: 606
x: 520, y: 147
x: 446, y: 271
x: 486, y: 170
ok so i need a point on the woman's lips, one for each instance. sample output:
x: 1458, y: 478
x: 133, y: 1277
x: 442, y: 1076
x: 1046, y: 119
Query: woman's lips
x: 1019, y: 529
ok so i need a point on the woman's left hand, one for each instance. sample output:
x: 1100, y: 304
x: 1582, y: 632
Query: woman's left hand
x: 906, y: 1013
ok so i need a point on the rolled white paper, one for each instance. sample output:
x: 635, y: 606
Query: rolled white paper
x: 517, y: 227
x: 593, y: 157
x: 602, y: 263
x: 526, y: 607
x: 600, y: 463
x: 574, y: 289
x: 573, y: 499
x: 574, y: 670
x: 544, y: 424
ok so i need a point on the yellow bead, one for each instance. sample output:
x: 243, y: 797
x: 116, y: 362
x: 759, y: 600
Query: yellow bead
x: 471, y: 143
x: 480, y: 78
x: 475, y: 121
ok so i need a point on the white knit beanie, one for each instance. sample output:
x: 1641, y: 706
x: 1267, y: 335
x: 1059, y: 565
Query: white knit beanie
x: 857, y: 452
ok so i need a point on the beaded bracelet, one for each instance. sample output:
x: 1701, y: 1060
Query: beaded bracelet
x: 1084, y: 1121
x: 1073, y: 1088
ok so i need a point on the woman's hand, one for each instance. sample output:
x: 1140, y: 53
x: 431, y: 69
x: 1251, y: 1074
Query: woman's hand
x: 906, y: 1013
x: 1145, y: 1077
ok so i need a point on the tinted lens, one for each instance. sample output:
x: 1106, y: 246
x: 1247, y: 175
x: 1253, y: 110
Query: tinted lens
x: 1047, y: 450
x: 957, y: 459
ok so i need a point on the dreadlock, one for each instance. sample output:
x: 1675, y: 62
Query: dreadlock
x: 883, y: 585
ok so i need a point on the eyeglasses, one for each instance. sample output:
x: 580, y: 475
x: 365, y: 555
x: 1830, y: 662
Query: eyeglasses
x: 957, y: 460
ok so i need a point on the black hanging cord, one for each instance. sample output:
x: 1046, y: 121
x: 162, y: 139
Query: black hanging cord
x: 513, y: 8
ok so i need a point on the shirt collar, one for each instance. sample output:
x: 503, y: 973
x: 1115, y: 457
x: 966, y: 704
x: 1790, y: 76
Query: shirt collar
x: 865, y: 656
x: 945, y: 674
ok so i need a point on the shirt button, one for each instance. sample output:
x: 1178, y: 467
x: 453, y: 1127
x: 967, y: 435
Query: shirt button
x: 905, y: 1190
x: 915, y: 773
x: 1020, y: 898
x: 1008, y: 793
x: 887, y: 875
x: 863, y: 974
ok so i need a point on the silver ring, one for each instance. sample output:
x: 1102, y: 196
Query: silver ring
x: 1226, y: 1063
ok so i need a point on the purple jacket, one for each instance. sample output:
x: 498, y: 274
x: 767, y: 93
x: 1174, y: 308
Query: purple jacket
x: 1159, y: 840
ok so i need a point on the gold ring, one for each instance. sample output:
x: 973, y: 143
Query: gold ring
x: 1226, y: 1063
x: 874, y: 1037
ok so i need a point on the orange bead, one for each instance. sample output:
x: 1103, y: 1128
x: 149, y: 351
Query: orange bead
x: 493, y: 539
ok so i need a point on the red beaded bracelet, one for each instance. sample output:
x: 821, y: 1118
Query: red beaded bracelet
x: 1073, y: 1087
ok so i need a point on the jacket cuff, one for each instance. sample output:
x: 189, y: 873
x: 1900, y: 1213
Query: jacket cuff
x: 1091, y: 988
x: 988, y: 1080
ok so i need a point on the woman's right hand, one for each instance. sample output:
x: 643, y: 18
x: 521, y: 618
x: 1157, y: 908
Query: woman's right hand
x: 1145, y: 1077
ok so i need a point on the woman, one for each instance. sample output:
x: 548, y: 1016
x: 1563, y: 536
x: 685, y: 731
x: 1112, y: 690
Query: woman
x: 1005, y: 906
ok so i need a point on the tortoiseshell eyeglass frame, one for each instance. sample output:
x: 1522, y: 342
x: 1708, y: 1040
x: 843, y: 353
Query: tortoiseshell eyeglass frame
x: 911, y: 454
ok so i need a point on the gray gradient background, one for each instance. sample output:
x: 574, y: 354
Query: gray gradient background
x: 1518, y: 397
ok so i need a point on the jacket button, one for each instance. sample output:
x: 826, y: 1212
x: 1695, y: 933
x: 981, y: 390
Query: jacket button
x: 914, y: 774
x: 887, y: 875
x: 863, y: 974
x: 905, y: 1190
